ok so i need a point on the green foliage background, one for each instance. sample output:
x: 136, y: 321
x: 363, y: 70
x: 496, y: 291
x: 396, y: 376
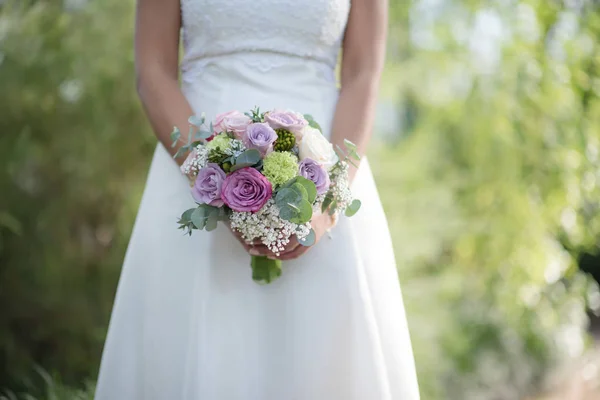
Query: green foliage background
x: 490, y: 184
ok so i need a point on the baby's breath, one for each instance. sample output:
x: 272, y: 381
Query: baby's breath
x: 340, y: 186
x: 197, y: 160
x: 266, y: 225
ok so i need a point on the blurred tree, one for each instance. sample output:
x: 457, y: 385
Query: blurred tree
x: 491, y: 198
x: 73, y: 155
x: 506, y: 94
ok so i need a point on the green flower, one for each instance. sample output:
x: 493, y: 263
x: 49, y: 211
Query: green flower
x: 280, y: 167
x: 285, y: 140
x: 220, y: 142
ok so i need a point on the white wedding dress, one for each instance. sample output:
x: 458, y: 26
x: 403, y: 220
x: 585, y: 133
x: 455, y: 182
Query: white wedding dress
x: 188, y: 321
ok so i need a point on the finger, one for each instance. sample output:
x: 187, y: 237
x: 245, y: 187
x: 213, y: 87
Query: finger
x: 297, y: 252
x: 245, y: 242
x: 291, y: 246
x: 260, y: 250
x: 251, y: 248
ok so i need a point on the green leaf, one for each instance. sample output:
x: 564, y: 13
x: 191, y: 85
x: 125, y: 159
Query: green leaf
x: 310, y: 188
x: 288, y: 196
x: 204, y: 134
x: 305, y: 213
x: 352, y: 163
x: 332, y: 207
x: 309, y: 240
x: 190, y: 138
x: 250, y: 156
x: 181, y: 151
x: 288, y: 213
x: 175, y: 135
x: 353, y: 208
x: 186, y: 216
x: 265, y: 270
x: 349, y: 145
x: 10, y: 223
x: 300, y: 189
x: 326, y: 202
x: 194, y: 120
x: 354, y: 155
x: 312, y: 123
x: 289, y: 183
x: 199, y: 217
x: 211, y: 222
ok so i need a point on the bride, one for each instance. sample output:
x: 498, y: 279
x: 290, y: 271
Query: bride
x: 188, y: 321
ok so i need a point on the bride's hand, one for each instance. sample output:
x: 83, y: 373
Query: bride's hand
x: 255, y: 248
x: 320, y: 224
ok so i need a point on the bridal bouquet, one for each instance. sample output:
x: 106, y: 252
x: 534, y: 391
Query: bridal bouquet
x: 265, y: 174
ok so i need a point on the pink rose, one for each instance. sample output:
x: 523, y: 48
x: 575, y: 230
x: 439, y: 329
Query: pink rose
x: 246, y: 190
x: 288, y: 120
x: 232, y: 121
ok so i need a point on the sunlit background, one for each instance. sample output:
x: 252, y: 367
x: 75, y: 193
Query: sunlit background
x: 486, y: 155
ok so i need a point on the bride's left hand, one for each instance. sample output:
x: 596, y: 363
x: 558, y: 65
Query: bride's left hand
x: 320, y: 224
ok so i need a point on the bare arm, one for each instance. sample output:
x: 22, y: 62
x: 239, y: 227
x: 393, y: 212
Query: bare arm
x: 362, y: 62
x: 156, y: 60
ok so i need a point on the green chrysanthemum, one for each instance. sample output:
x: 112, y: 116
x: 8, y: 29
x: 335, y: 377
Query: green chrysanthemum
x: 222, y: 142
x: 280, y: 167
x: 285, y: 140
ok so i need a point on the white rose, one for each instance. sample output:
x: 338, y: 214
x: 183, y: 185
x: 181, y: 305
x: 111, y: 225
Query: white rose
x: 316, y: 147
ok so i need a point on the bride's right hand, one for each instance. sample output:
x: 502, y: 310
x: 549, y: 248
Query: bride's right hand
x: 255, y: 248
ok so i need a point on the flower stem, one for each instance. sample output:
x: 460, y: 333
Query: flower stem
x: 265, y: 270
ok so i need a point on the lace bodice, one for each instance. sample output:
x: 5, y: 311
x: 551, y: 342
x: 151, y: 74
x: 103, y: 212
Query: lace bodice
x: 309, y: 29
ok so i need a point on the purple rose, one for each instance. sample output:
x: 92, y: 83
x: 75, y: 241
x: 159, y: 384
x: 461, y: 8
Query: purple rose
x: 312, y: 170
x: 260, y: 136
x: 246, y: 190
x: 288, y: 120
x: 207, y: 188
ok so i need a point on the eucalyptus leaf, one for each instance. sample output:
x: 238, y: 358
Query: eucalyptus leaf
x: 288, y: 196
x: 326, y: 202
x: 198, y: 218
x: 186, y: 216
x: 294, y: 207
x: 181, y: 151
x: 211, y: 222
x: 349, y: 145
x: 312, y: 123
x: 332, y: 207
x: 190, y: 137
x: 175, y: 135
x: 239, y: 166
x: 353, y: 208
x: 194, y: 120
x: 305, y: 213
x: 309, y: 186
x: 289, y: 183
x: 300, y: 189
x: 341, y: 151
x: 309, y: 240
x: 352, y: 162
x: 288, y: 213
x: 250, y: 156
x: 204, y: 134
